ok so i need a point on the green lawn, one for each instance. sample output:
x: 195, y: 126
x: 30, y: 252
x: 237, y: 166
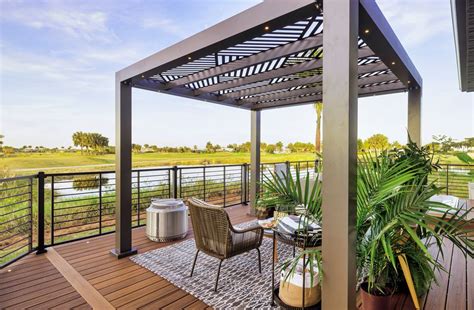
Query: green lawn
x: 21, y: 164
x: 69, y: 162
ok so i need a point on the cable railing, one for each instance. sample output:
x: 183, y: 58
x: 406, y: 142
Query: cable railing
x: 41, y: 210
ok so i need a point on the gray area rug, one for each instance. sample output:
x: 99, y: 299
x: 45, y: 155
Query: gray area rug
x: 241, y: 286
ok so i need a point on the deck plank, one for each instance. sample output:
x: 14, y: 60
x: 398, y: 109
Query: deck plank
x: 437, y: 295
x: 129, y: 286
x: 456, y: 298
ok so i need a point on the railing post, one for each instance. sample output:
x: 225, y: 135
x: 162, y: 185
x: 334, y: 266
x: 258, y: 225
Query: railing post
x: 204, y: 183
x: 138, y: 198
x: 30, y: 206
x: 41, y: 248
x: 52, y: 210
x: 447, y: 179
x: 174, y: 178
x: 288, y: 167
x: 100, y: 203
x: 225, y: 193
x: 243, y: 184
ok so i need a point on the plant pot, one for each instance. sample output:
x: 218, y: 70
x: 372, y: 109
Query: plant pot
x: 292, y: 289
x: 384, y: 302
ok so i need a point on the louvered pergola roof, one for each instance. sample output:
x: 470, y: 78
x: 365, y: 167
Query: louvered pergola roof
x: 271, y: 56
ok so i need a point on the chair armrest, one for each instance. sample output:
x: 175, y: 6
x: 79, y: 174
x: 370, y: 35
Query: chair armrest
x: 248, y: 229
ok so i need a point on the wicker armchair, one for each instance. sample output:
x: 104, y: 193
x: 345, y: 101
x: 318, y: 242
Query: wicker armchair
x: 215, y: 235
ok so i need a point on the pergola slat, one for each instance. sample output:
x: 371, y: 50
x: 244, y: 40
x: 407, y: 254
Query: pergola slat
x: 292, y: 69
x: 374, y: 67
x: 278, y: 52
x: 309, y: 90
x: 390, y: 88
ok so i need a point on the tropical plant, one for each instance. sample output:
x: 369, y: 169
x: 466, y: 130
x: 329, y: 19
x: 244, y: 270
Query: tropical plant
x: 396, y: 220
x: 301, y: 196
x: 395, y: 217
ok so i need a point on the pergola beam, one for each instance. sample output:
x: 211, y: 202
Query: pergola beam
x: 271, y: 54
x: 383, y: 41
x: 189, y: 93
x: 234, y: 30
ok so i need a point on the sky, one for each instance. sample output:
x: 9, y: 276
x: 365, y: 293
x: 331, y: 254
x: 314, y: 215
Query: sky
x: 58, y: 60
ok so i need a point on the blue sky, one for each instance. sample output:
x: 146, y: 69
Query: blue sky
x: 58, y: 60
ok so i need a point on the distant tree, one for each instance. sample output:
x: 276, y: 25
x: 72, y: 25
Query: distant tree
x: 377, y: 142
x: 8, y: 150
x: 360, y: 144
x: 1, y: 141
x: 78, y: 139
x: 270, y: 148
x: 136, y: 148
x: 279, y: 146
x: 445, y: 143
x: 209, y: 147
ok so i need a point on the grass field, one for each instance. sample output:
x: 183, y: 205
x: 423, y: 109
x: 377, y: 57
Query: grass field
x: 20, y: 164
x: 73, y: 162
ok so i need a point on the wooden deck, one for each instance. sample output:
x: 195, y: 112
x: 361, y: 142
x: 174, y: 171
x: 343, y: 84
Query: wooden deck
x: 86, y: 267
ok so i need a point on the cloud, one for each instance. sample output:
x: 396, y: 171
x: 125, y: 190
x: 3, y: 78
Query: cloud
x: 417, y: 21
x: 86, y: 25
x: 62, y: 71
x: 164, y: 24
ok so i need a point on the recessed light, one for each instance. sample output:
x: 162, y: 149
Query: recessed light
x: 87, y: 242
x: 393, y: 62
x: 143, y: 76
x: 9, y: 270
x: 366, y: 30
x: 408, y: 82
x: 189, y: 58
x: 267, y: 28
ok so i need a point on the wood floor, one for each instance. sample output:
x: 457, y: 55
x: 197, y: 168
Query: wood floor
x: 34, y: 282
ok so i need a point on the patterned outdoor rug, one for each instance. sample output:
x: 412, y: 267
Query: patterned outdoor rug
x: 241, y: 286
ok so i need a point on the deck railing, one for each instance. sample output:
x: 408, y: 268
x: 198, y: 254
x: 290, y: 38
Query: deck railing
x: 41, y: 210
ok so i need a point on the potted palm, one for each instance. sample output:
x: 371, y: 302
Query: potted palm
x: 396, y: 223
x: 300, y: 196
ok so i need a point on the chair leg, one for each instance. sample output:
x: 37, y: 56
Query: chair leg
x: 259, y: 261
x: 218, y: 273
x: 194, y: 263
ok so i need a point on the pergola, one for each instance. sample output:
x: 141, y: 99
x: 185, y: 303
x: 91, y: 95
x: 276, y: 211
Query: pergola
x: 271, y: 56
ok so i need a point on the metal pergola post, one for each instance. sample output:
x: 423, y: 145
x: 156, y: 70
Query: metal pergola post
x: 123, y: 170
x: 341, y: 26
x: 414, y: 114
x: 254, y: 158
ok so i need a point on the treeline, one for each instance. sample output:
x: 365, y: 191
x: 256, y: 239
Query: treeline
x: 95, y: 143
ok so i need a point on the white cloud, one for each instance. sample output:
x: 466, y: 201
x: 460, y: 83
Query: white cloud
x: 24, y: 65
x: 86, y: 25
x: 164, y: 24
x: 417, y: 21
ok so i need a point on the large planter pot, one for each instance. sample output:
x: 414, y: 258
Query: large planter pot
x: 388, y: 302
